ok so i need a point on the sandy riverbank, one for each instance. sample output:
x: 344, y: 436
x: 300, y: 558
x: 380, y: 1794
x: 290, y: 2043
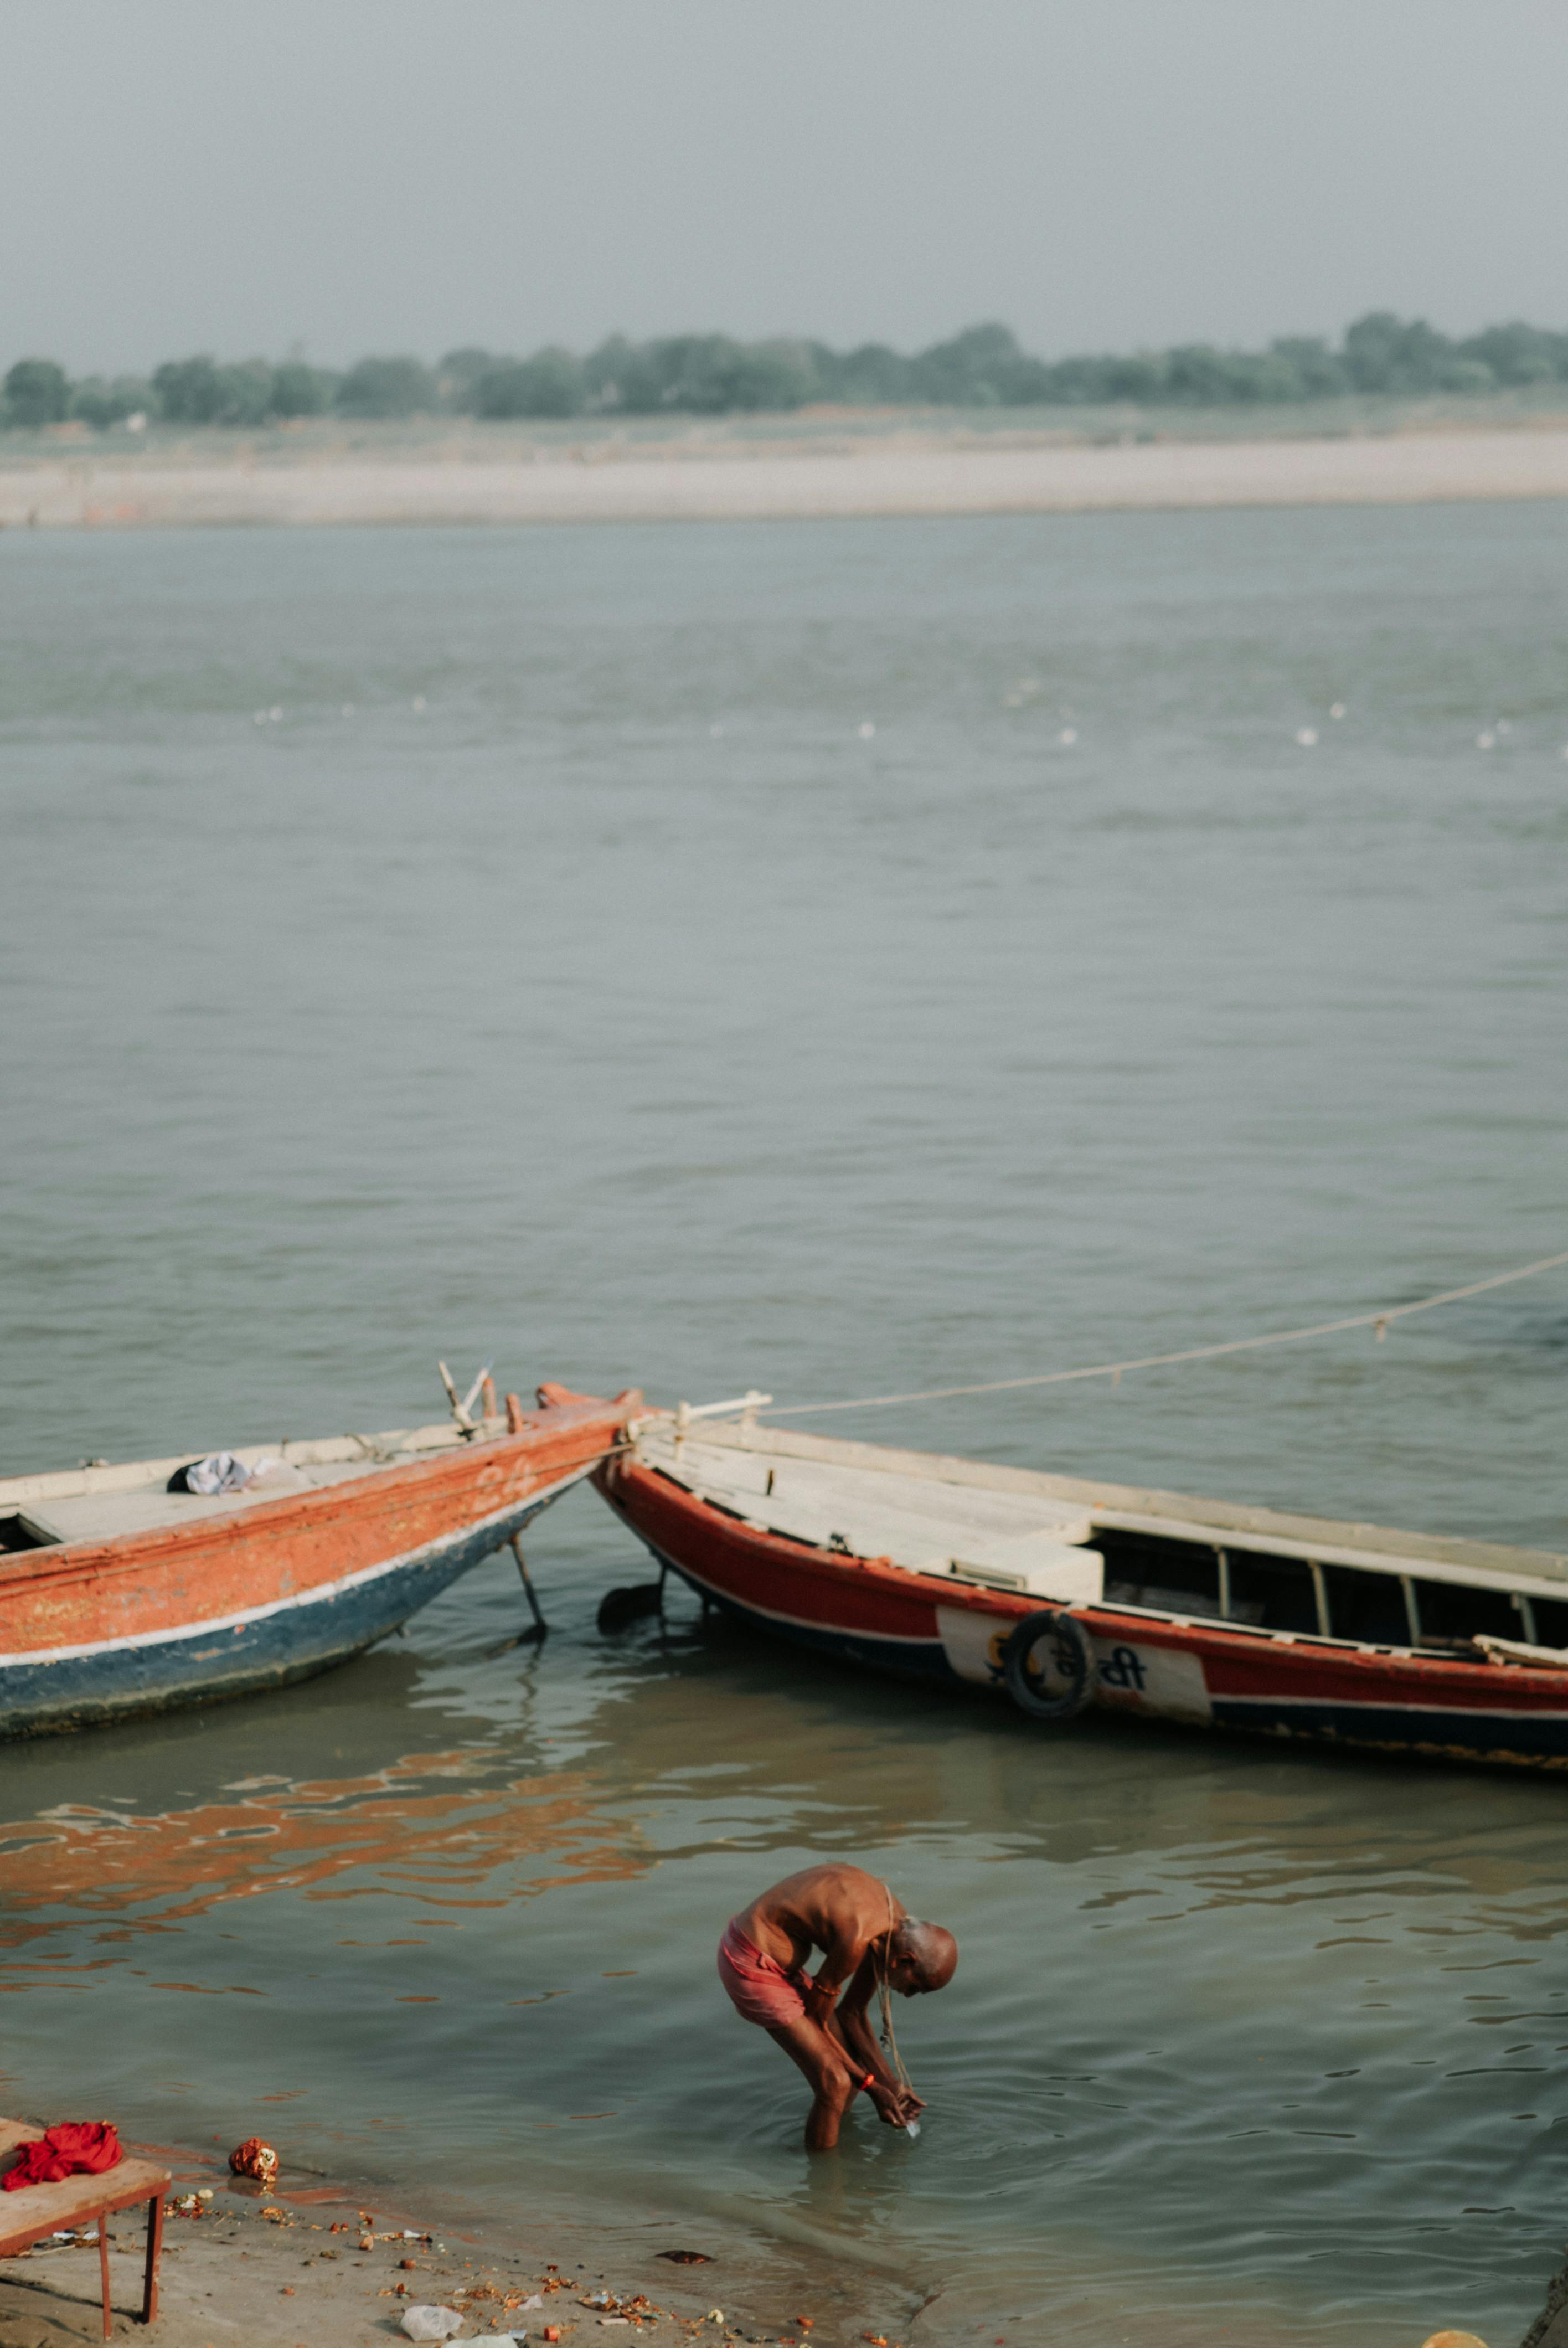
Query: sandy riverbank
x: 276, y: 2274
x: 282, y: 2273
x: 734, y: 480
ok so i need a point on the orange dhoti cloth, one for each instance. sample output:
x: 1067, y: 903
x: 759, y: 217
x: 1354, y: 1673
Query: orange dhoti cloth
x: 760, y: 1989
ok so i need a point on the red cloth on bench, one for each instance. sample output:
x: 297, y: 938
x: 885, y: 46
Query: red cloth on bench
x: 75, y: 2145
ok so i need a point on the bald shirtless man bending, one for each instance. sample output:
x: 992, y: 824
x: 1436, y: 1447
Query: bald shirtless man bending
x: 866, y: 1937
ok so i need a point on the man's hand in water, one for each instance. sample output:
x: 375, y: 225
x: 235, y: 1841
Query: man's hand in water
x: 896, y: 2106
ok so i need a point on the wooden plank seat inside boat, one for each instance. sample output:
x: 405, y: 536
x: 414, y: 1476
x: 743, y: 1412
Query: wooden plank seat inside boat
x: 98, y: 1502
x: 1003, y: 1539
x: 35, y: 2213
x: 105, y: 1516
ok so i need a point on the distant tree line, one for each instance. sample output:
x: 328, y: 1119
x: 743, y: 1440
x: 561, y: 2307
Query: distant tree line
x: 709, y: 374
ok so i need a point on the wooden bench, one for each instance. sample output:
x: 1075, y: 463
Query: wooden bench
x: 35, y: 2211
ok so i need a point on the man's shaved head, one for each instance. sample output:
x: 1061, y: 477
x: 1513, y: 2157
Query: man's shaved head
x: 920, y: 1957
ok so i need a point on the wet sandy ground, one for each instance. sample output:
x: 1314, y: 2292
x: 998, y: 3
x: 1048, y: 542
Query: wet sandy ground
x: 282, y: 2276
x: 279, y: 2276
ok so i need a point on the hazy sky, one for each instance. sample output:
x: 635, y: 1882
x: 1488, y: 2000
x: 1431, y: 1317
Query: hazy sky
x: 354, y: 175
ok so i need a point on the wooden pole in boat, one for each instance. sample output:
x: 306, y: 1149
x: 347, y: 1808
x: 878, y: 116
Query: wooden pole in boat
x: 458, y: 1410
x: 539, y: 1623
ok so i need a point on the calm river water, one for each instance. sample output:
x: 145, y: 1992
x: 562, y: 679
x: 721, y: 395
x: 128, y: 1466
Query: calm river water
x: 830, y: 957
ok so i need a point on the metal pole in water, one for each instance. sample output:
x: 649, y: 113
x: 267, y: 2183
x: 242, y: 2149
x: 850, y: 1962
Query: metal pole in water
x: 540, y: 1623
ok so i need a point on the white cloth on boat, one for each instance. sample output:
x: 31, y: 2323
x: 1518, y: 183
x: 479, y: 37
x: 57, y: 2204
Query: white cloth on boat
x: 280, y: 1475
x: 219, y: 1472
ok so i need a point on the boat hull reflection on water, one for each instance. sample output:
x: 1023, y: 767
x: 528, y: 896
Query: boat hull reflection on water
x: 1068, y: 1592
x: 118, y: 1595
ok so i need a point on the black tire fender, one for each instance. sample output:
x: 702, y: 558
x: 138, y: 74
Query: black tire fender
x: 1074, y: 1655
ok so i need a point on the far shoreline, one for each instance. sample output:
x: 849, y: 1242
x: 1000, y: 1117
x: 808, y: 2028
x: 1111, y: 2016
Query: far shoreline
x: 778, y: 469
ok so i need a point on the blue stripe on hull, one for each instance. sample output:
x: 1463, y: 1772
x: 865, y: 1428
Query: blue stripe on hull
x: 1533, y: 1740
x: 204, y: 1666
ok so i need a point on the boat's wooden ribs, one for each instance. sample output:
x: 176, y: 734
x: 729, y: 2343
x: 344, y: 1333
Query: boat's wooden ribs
x: 1279, y: 1593
x: 1260, y: 1590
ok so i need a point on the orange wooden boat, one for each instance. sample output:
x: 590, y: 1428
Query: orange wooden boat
x: 119, y: 1594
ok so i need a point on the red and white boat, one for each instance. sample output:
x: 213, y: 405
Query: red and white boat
x: 1067, y: 1591
x: 119, y: 1594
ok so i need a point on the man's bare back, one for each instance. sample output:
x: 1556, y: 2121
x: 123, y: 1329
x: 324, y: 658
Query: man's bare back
x: 838, y: 1909
x: 866, y: 1938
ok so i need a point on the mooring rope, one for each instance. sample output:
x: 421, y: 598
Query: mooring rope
x: 1114, y: 1370
x: 885, y: 1999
